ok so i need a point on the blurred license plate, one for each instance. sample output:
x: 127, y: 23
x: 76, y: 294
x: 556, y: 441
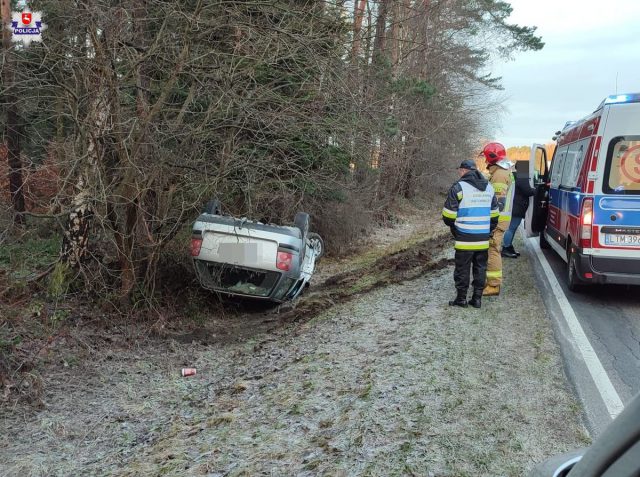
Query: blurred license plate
x: 243, y: 253
x: 622, y: 239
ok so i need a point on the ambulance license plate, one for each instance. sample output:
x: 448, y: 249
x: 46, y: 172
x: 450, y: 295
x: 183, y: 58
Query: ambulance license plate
x: 622, y: 240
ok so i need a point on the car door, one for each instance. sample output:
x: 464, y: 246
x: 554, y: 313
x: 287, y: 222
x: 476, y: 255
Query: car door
x: 536, y: 215
x: 615, y: 453
x: 568, y: 202
x: 554, y: 204
x: 572, y: 194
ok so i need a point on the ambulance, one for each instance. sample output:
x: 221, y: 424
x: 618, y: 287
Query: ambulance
x: 587, y: 202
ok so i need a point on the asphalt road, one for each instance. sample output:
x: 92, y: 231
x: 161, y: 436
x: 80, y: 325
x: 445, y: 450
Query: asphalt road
x: 610, y: 317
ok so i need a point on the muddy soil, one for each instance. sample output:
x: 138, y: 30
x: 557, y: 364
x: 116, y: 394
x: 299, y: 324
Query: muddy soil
x: 371, y: 374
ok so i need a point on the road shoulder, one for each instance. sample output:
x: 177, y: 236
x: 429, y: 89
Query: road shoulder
x: 582, y: 367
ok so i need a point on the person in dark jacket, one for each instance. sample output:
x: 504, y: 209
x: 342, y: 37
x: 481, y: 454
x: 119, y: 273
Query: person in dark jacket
x: 520, y: 204
x: 471, y: 212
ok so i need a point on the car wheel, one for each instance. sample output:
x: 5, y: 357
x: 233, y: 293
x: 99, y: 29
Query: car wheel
x: 302, y: 221
x: 317, y: 244
x: 213, y: 207
x: 543, y: 241
x: 573, y: 281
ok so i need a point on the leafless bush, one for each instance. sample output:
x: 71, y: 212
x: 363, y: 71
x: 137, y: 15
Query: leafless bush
x: 343, y: 224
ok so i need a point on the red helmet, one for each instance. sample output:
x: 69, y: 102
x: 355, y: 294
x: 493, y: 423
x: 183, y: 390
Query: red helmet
x: 494, y: 152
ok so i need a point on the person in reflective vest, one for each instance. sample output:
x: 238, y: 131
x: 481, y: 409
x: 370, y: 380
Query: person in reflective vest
x: 501, y: 178
x: 471, y: 212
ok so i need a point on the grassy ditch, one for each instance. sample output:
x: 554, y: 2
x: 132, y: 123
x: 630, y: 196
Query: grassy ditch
x: 394, y: 382
x: 36, y: 327
x: 388, y: 382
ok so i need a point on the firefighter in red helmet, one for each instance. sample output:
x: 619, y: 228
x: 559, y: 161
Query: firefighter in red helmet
x: 501, y: 178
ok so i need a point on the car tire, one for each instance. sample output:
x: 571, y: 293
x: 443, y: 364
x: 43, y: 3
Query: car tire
x: 573, y: 280
x: 213, y: 207
x: 317, y: 244
x: 302, y: 221
x: 544, y: 245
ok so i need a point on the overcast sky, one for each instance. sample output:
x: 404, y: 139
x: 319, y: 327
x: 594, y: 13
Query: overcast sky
x: 587, y: 43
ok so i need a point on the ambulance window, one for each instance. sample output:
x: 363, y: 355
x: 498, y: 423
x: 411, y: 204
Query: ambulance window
x: 622, y: 169
x: 569, y: 161
x: 574, y: 161
x: 556, y: 166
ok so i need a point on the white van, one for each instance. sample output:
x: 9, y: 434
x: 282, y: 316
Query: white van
x: 587, y: 202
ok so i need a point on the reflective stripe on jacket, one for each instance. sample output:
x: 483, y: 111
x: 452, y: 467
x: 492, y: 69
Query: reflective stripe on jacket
x: 503, y: 183
x: 505, y: 214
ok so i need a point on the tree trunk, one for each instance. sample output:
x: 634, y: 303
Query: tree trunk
x: 396, y: 28
x: 358, y: 15
x: 76, y: 234
x: 12, y: 132
x: 379, y: 42
x: 378, y: 64
x: 132, y: 202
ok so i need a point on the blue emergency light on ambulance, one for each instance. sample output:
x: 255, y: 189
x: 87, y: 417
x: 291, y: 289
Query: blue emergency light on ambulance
x: 587, y: 202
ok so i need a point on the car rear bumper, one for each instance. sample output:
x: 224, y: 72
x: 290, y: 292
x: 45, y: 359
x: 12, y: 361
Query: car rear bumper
x: 618, y: 271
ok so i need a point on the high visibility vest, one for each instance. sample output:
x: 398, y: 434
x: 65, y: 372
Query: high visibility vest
x: 473, y: 221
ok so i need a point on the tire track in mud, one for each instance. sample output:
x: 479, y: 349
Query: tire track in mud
x: 401, y: 266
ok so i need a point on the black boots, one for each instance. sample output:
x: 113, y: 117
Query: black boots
x: 509, y: 252
x: 461, y: 299
x: 476, y: 299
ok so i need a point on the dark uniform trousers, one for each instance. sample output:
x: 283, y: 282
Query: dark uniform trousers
x: 462, y: 272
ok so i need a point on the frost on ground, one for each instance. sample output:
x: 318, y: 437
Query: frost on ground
x: 395, y: 382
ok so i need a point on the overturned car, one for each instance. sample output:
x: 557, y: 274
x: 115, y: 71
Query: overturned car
x: 240, y: 257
